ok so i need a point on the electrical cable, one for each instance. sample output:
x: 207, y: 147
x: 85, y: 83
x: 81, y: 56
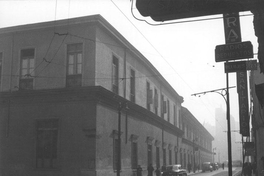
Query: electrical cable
x: 50, y: 61
x: 158, y: 51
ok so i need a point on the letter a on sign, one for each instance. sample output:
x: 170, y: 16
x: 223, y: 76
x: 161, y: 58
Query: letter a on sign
x: 232, y: 28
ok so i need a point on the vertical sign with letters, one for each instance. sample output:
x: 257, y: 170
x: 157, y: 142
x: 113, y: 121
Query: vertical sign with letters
x: 242, y: 91
x: 233, y: 35
x: 232, y: 28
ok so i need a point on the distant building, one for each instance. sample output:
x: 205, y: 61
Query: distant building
x: 196, y: 140
x: 68, y: 86
x: 220, y: 142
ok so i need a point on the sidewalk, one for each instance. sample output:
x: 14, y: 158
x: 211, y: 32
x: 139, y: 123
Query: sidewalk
x: 235, y: 171
x: 192, y: 173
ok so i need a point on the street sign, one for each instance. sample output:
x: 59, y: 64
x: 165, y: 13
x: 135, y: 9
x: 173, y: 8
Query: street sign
x: 233, y: 51
x: 240, y: 66
x: 242, y: 89
x: 232, y: 28
x: 163, y: 10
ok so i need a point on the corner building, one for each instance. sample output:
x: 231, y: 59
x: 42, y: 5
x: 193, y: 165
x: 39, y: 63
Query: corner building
x: 66, y: 87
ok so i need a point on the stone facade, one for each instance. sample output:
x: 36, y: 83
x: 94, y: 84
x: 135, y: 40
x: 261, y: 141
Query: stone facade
x: 66, y: 88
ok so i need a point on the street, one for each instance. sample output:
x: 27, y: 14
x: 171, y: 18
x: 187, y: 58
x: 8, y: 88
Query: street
x: 219, y: 172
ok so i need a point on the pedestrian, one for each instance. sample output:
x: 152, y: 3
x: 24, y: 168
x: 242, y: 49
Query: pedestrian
x: 249, y: 169
x: 245, y: 169
x: 254, y: 167
x: 189, y: 167
x: 223, y: 166
x: 139, y: 170
x: 158, y: 172
x: 150, y: 170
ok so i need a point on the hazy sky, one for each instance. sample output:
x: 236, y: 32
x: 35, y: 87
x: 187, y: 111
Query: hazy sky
x: 183, y: 52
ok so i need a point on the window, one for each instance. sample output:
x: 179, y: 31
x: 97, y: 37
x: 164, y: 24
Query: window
x: 1, y: 65
x: 176, y: 157
x: 27, y: 69
x: 115, y: 75
x: 149, y: 154
x: 46, y: 146
x: 149, y: 96
x: 181, y: 161
x: 164, y: 157
x: 170, y: 157
x: 115, y: 153
x: 132, y: 85
x: 168, y: 110
x: 174, y: 115
x: 184, y: 160
x: 156, y: 101
x: 134, y: 155
x: 157, y: 157
x: 74, y: 65
x: 163, y: 106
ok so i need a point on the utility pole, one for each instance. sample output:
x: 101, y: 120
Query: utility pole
x: 228, y: 128
x: 224, y: 91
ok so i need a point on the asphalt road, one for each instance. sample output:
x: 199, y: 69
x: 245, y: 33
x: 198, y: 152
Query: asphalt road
x: 219, y: 172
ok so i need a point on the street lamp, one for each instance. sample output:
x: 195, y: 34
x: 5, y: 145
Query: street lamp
x: 225, y: 92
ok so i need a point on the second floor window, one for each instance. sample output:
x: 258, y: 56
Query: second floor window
x: 27, y: 69
x: 74, y: 65
x: 156, y: 101
x: 132, y: 85
x: 149, y: 96
x: 115, y: 75
x: 175, y: 115
x: 1, y: 63
x: 168, y: 110
x: 163, y: 106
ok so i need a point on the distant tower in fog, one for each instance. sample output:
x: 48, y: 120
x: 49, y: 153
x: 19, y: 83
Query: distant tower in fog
x: 220, y: 141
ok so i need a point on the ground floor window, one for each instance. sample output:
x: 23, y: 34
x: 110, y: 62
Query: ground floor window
x: 164, y: 157
x: 134, y: 155
x: 115, y: 154
x: 47, y: 143
x: 149, y: 154
x: 184, y: 160
x: 181, y: 159
x: 176, y: 158
x: 170, y: 157
x: 157, y: 157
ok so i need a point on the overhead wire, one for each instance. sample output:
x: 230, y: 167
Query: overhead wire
x: 49, y: 46
x: 158, y: 52
x: 183, y: 21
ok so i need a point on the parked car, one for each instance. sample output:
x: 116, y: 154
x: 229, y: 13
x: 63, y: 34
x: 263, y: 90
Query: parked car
x: 174, y: 170
x: 207, y: 166
x: 216, y: 166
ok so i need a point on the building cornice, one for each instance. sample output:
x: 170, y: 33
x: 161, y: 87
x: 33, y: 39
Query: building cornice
x: 99, y: 21
x: 93, y: 94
